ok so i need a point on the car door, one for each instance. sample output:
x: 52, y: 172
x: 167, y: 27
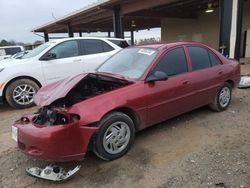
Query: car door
x: 62, y: 61
x: 206, y: 71
x: 95, y: 52
x: 174, y: 96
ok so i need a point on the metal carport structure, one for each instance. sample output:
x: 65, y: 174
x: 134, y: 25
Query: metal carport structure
x: 129, y: 15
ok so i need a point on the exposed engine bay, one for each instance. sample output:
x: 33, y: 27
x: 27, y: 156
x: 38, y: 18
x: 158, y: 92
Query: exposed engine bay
x: 88, y: 87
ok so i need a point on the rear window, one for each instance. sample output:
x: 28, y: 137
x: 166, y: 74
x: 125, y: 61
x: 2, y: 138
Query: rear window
x: 120, y: 43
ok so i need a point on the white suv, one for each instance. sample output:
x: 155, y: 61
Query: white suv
x: 7, y: 51
x: 50, y: 62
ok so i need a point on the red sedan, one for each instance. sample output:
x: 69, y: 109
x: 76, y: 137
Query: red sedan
x: 134, y: 89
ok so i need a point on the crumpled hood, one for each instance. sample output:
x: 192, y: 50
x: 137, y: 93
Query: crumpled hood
x: 49, y: 93
x: 57, y: 90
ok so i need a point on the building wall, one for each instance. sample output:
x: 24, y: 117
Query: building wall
x: 245, y: 50
x: 246, y: 16
x: 203, y: 29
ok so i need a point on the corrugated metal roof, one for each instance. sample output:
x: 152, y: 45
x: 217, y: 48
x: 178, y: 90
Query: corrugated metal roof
x: 84, y: 10
x: 145, y: 13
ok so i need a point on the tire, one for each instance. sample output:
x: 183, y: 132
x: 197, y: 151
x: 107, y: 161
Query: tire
x: 222, y: 99
x: 19, y: 94
x: 119, y: 140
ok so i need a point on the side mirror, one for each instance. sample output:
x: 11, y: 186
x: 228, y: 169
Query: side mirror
x: 49, y: 56
x: 157, y: 76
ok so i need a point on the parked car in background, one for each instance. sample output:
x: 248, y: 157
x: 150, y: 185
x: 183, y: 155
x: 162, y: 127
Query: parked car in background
x: 50, y: 62
x: 121, y: 43
x: 134, y: 89
x: 8, y: 51
x: 19, y: 55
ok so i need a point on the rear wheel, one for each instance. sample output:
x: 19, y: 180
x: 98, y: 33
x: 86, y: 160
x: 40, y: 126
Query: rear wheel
x: 114, y: 137
x: 20, y: 93
x: 222, y: 99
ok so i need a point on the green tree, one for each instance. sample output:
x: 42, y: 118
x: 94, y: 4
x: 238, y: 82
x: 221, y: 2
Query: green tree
x: 3, y: 43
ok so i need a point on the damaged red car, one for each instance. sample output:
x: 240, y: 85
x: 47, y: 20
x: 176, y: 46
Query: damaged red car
x: 134, y: 89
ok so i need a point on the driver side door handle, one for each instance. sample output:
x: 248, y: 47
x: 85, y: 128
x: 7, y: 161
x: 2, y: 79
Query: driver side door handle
x: 77, y: 60
x: 185, y: 82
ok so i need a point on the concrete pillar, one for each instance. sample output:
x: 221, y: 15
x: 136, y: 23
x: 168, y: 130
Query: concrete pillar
x: 132, y: 37
x: 231, y: 12
x: 70, y: 31
x: 46, y: 37
x: 117, y: 22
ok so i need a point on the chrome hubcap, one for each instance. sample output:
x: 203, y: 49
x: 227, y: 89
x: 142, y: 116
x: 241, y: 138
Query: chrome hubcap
x: 224, y: 97
x: 116, y: 137
x: 23, y: 94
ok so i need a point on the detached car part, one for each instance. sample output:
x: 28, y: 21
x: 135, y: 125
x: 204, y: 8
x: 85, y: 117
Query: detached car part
x: 52, y: 172
x: 244, y: 82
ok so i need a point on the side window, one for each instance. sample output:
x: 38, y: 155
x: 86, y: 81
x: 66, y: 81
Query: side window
x: 106, y: 47
x: 12, y: 51
x: 199, y: 58
x: 173, y: 63
x: 65, y: 49
x: 214, y: 59
x: 8, y: 51
x: 92, y: 46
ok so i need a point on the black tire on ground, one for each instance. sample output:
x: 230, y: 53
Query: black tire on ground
x: 217, y: 105
x: 106, y: 123
x: 9, y: 94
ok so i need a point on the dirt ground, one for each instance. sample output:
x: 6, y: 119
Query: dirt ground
x: 198, y: 149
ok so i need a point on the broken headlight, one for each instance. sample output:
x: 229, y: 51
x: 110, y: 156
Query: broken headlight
x: 49, y: 117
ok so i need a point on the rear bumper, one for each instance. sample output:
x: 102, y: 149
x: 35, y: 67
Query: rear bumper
x: 54, y: 143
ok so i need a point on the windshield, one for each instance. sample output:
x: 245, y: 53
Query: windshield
x: 130, y: 62
x: 36, y: 51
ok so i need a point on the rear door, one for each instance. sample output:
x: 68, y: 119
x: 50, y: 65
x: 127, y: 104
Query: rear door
x: 206, y: 72
x: 174, y: 96
x: 66, y: 62
x: 95, y: 52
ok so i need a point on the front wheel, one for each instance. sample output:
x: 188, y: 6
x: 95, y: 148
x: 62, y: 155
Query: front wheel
x: 20, y: 93
x: 114, y: 137
x: 222, y: 99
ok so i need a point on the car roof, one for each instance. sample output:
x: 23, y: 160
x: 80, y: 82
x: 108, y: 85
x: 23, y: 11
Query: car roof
x: 11, y: 47
x: 165, y: 45
x: 100, y: 38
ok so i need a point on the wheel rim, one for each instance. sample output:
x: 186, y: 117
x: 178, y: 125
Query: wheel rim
x: 224, y: 98
x: 23, y: 94
x: 116, y: 137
